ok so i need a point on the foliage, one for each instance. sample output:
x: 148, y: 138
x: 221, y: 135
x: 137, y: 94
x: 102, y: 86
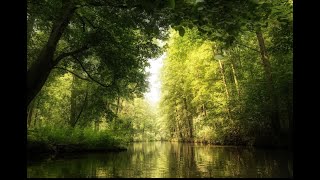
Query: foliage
x: 227, y: 77
x: 87, y: 137
x: 226, y: 90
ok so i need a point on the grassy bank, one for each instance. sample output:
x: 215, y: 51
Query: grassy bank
x: 66, y: 140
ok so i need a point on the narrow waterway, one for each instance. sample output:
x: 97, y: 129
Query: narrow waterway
x: 168, y: 159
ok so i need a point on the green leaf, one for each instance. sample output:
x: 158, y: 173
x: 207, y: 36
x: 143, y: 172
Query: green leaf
x: 218, y: 57
x: 219, y: 34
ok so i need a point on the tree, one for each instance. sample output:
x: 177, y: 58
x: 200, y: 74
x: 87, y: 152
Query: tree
x: 73, y: 34
x: 223, y: 21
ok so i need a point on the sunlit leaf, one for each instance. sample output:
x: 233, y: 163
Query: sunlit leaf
x: 218, y: 57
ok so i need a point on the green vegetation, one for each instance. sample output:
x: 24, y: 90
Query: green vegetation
x: 64, y: 139
x: 226, y: 79
x: 220, y: 96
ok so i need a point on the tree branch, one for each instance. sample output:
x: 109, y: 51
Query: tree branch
x: 72, y: 73
x: 64, y: 55
x: 84, y: 69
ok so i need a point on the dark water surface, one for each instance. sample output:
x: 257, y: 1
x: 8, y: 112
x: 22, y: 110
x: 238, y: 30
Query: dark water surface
x: 168, y: 159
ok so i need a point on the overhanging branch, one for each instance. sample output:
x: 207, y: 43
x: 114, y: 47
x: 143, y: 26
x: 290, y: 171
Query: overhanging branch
x: 84, y: 69
x: 72, y: 73
x: 64, y: 55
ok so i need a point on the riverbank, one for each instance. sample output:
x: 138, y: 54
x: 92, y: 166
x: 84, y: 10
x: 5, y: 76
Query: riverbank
x: 50, y: 140
x: 36, y: 148
x: 259, y: 142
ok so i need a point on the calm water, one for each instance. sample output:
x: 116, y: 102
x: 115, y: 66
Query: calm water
x: 166, y: 159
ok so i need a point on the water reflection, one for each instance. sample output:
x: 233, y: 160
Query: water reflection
x: 165, y: 159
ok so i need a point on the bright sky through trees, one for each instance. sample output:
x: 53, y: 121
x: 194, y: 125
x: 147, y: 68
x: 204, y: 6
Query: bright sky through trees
x: 153, y: 95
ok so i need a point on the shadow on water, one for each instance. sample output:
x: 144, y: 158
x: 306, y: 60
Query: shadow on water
x: 168, y: 159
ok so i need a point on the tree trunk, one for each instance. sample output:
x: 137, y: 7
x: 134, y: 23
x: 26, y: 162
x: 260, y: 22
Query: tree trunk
x: 118, y: 104
x: 30, y: 25
x: 224, y: 78
x: 204, y: 110
x: 235, y: 78
x: 117, y: 111
x: 30, y: 113
x: 226, y: 87
x: 40, y: 70
x: 239, y: 57
x: 189, y: 119
x: 275, y: 121
x: 119, y: 107
x: 178, y: 130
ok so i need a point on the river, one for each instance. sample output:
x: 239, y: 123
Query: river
x: 168, y: 160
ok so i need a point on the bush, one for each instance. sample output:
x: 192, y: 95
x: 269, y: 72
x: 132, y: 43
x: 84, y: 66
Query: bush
x: 87, y: 137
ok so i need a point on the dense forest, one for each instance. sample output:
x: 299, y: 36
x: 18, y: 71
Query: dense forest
x: 226, y: 77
